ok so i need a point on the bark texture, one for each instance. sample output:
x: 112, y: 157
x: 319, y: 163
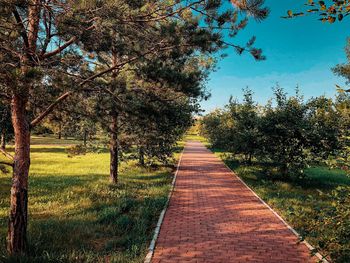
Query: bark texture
x: 17, y: 226
x: 3, y: 139
x: 114, y: 149
x: 85, y: 137
x: 59, y: 130
x: 18, y: 218
x: 141, y: 156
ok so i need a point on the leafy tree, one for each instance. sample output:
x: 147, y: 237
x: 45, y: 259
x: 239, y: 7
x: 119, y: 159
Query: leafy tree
x: 160, y: 125
x: 341, y: 158
x: 284, y: 134
x: 32, y: 40
x: 217, y: 126
x: 245, y: 134
x: 325, y: 127
x: 343, y: 70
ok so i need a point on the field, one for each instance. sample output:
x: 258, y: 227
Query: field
x: 75, y: 215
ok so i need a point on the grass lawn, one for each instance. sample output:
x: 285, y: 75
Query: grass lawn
x: 75, y: 215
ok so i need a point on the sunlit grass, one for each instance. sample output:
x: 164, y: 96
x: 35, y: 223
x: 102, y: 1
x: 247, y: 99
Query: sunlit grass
x: 75, y: 215
x: 195, y: 137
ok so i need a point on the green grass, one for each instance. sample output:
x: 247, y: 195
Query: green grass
x: 75, y: 215
x: 195, y: 137
x: 296, y: 201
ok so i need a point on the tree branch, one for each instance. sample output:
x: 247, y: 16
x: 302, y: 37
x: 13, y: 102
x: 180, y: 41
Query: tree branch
x: 49, y: 109
x: 113, y: 67
x: 60, y: 48
x: 7, y: 155
x: 47, y: 24
x: 162, y: 17
x: 4, y: 95
x: 22, y: 27
x: 67, y: 94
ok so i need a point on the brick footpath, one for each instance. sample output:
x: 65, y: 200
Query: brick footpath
x: 213, y: 217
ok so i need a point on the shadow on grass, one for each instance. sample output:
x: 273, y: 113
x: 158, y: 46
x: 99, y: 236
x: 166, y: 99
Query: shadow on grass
x: 48, y: 150
x: 317, y: 177
x: 156, y: 177
x: 96, y: 220
x: 118, y: 229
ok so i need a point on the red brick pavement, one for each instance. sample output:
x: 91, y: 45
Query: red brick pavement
x: 213, y: 217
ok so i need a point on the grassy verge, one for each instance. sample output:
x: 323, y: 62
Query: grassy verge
x: 75, y: 215
x: 195, y: 137
x: 299, y: 202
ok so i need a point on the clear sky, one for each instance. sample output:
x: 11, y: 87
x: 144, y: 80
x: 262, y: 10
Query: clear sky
x: 299, y: 51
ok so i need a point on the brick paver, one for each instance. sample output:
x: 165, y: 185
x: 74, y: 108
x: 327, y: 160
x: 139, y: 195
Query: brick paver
x: 214, y: 217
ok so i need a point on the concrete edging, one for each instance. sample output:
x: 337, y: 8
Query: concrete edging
x: 152, y: 246
x: 309, y: 246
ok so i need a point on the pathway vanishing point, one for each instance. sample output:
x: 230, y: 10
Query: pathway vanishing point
x: 213, y: 217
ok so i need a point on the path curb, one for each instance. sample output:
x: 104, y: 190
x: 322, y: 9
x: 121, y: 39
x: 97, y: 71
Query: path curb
x: 309, y: 246
x: 152, y: 246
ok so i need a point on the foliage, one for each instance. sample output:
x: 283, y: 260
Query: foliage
x: 343, y: 69
x: 215, y: 127
x: 284, y: 138
x: 333, y: 221
x: 327, y: 11
x: 341, y: 157
x: 290, y: 134
x: 74, y: 150
x: 244, y: 138
x: 326, y: 127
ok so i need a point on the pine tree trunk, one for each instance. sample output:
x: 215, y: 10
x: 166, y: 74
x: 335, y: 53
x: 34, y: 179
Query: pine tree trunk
x: 114, y: 149
x: 18, y: 218
x: 250, y: 159
x: 141, y: 156
x: 85, y: 137
x: 17, y: 226
x: 59, y: 131
x: 3, y: 139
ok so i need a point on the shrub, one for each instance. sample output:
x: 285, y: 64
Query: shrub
x: 74, y: 150
x: 333, y: 221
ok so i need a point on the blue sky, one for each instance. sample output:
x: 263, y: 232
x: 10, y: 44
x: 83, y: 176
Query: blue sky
x: 299, y: 51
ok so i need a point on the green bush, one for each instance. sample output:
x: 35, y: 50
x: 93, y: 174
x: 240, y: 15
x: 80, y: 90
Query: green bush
x: 74, y: 150
x: 333, y: 221
x: 288, y: 133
